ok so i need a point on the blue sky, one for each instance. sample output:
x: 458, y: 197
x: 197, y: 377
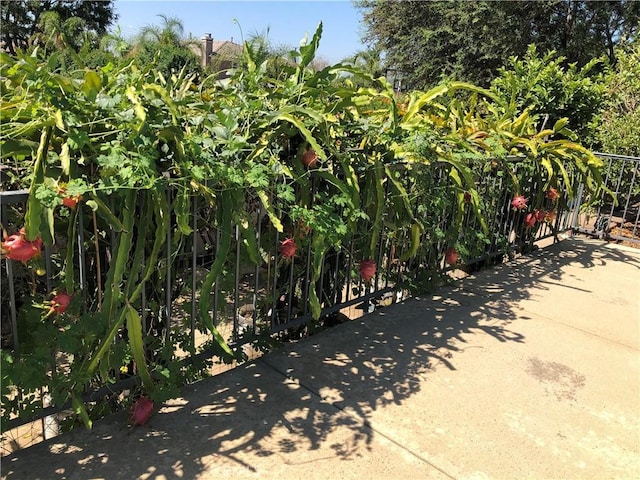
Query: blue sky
x: 288, y: 21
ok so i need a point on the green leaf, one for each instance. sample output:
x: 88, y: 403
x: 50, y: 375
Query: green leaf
x: 182, y: 208
x: 48, y: 233
x: 279, y: 116
x: 161, y: 215
x: 106, y: 344
x: 33, y: 217
x: 404, y: 196
x: 105, y: 212
x: 308, y: 52
x: 80, y: 410
x: 18, y: 147
x: 565, y: 176
x: 162, y: 93
x: 379, y: 206
x: 314, y: 303
x: 249, y: 236
x: 92, y: 85
x: 65, y: 158
x: 417, y: 102
x: 120, y: 260
x: 60, y: 123
x: 467, y: 182
x: 349, y: 191
x: 77, y: 139
x: 134, y: 330
x: 138, y: 108
x: 560, y: 124
x: 546, y: 163
x: 275, y: 221
x: 416, y: 231
x: 531, y: 145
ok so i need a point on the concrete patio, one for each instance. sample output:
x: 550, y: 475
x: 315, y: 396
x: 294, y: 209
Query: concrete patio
x: 527, y: 370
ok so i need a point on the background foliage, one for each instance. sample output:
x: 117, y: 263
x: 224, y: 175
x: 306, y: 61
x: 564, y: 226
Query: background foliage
x: 431, y: 40
x: 552, y: 90
x: 618, y: 125
x: 22, y: 20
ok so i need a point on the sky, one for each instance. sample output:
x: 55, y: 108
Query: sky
x: 288, y: 21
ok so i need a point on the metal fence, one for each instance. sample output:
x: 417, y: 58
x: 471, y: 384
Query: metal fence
x: 269, y: 300
x: 614, y: 217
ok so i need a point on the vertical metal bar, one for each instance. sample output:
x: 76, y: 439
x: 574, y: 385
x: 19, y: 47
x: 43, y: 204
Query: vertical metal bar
x: 379, y: 262
x: 143, y: 306
x: 401, y: 266
x: 606, y: 183
x: 337, y: 291
x: 194, y: 267
x: 12, y: 307
x: 575, y: 209
x: 112, y: 245
x: 320, y: 286
x: 307, y: 270
x: 216, y: 289
x: 624, y: 163
x: 630, y: 194
x: 349, y: 267
x: 389, y: 263
x: 307, y: 280
x: 236, y: 290
x: 167, y: 293
x: 291, y: 289
x: 48, y: 268
x: 498, y: 213
x: 43, y: 396
x: 43, y: 425
x: 82, y: 258
x: 635, y: 225
x: 256, y: 286
x: 276, y: 295
x: 4, y: 220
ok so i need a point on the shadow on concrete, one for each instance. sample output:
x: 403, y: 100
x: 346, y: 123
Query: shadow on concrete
x: 309, y: 402
x: 546, y: 267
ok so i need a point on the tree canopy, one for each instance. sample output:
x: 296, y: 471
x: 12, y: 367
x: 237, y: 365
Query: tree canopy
x: 22, y: 20
x: 619, y: 122
x: 165, y: 46
x: 431, y: 40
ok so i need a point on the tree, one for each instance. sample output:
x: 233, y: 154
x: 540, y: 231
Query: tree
x: 432, y: 40
x: 22, y: 20
x: 369, y: 60
x: 169, y: 33
x: 619, y: 129
x: 164, y: 47
x: 115, y: 43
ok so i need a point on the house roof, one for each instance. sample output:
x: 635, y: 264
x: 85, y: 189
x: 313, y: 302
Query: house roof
x: 225, y: 47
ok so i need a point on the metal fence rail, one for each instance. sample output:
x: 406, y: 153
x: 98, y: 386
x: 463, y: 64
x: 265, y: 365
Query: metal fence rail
x: 270, y: 299
x: 617, y: 216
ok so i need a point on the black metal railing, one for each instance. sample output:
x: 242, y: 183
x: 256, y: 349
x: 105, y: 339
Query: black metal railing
x: 613, y: 217
x: 270, y: 299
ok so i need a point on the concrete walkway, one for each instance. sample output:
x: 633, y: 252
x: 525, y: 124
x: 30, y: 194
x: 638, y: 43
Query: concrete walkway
x: 529, y: 370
